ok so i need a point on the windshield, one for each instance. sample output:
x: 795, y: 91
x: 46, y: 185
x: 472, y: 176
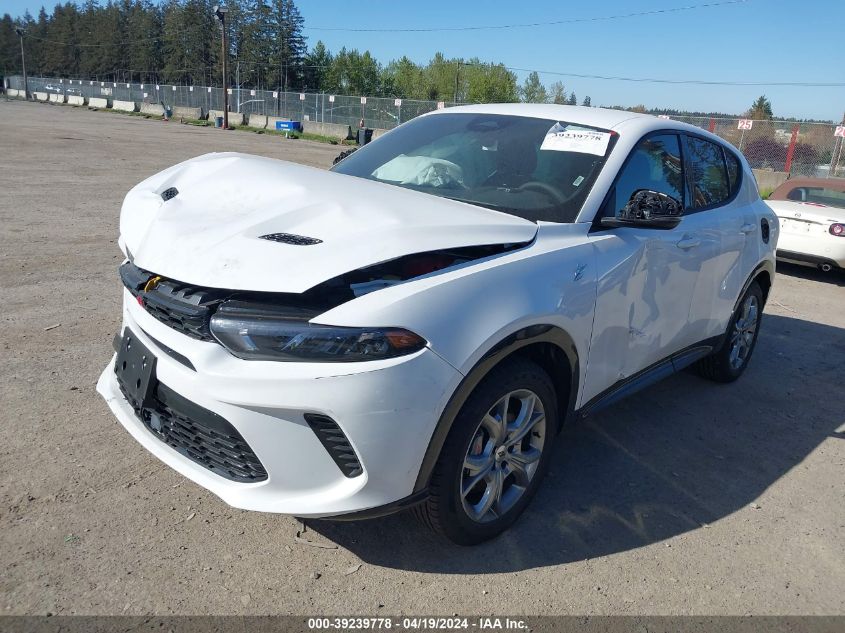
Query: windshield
x: 537, y: 169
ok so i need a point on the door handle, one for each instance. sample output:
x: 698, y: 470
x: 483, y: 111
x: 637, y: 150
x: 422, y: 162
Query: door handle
x: 688, y: 241
x: 750, y: 227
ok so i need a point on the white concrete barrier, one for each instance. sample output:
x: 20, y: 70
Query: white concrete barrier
x: 98, y: 102
x: 56, y: 98
x: 155, y: 109
x: 41, y: 96
x: 258, y: 121
x: 124, y: 106
x: 77, y: 100
x: 12, y: 92
x: 182, y: 112
x: 235, y: 118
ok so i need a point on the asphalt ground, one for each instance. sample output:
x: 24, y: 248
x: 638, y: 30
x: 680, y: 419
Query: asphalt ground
x: 688, y: 498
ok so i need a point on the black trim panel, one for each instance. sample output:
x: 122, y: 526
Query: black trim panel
x: 382, y: 511
x: 650, y: 375
x: 517, y: 340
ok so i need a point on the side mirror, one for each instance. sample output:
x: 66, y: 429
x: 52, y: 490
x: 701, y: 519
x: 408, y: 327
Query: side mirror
x: 648, y: 209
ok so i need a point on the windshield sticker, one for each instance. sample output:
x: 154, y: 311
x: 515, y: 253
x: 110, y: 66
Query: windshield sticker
x: 562, y: 139
x: 578, y: 181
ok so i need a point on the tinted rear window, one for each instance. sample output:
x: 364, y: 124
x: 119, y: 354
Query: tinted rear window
x: 709, y: 176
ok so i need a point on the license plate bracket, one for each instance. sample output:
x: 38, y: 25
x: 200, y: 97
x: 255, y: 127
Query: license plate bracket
x: 136, y: 371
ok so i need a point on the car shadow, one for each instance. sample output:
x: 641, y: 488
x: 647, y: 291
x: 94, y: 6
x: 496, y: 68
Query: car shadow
x: 677, y: 457
x: 836, y: 277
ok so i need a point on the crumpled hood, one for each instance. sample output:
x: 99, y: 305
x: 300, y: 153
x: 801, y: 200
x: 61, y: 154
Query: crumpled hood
x: 208, y: 234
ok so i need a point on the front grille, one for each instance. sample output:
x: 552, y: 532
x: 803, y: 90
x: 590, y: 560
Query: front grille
x: 200, y: 435
x: 183, y: 307
x: 334, y: 441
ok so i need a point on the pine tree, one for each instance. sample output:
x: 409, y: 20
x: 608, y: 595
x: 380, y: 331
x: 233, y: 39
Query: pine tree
x: 533, y: 91
x: 573, y: 100
x: 586, y: 101
x: 760, y: 110
x: 558, y: 91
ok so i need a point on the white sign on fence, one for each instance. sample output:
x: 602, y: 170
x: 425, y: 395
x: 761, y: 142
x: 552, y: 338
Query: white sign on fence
x: 302, y: 96
x: 145, y: 95
x: 61, y: 81
x: 275, y: 95
x: 174, y: 88
x: 441, y: 105
x: 142, y: 86
x: 157, y: 87
x: 839, y: 131
x: 229, y: 90
x: 128, y: 86
x: 252, y: 93
x: 331, y: 98
x: 190, y: 88
x: 363, y: 100
x: 397, y: 103
x: 209, y: 89
x: 114, y: 84
x: 90, y: 83
x: 744, y: 124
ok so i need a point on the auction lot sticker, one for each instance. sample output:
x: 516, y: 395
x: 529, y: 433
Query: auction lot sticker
x: 566, y: 139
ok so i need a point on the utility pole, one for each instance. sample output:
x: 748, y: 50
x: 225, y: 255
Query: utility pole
x: 23, y: 63
x: 221, y: 12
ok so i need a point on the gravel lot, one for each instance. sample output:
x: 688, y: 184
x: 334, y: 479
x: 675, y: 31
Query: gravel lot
x: 689, y: 498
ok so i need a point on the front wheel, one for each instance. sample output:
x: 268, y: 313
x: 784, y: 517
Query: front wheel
x: 729, y: 362
x: 495, y: 455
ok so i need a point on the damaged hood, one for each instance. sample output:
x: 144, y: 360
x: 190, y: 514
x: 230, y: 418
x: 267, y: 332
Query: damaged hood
x: 209, y: 233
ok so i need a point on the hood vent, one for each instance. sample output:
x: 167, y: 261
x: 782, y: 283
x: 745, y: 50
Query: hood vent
x: 289, y: 238
x: 169, y: 194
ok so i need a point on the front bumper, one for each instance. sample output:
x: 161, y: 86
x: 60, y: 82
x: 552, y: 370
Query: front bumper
x: 387, y: 410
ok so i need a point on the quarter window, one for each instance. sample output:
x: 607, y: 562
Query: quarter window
x: 654, y: 164
x: 733, y: 170
x: 709, y: 178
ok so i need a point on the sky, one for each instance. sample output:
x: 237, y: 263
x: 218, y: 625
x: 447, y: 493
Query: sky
x: 747, y: 41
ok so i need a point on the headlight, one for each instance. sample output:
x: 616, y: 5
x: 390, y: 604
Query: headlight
x: 258, y: 333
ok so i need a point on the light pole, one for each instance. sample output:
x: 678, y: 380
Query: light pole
x: 23, y: 63
x: 221, y: 12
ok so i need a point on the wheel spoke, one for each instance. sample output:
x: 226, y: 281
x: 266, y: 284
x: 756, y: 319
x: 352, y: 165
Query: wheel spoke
x: 483, y: 474
x: 519, y: 463
x: 517, y: 435
x: 476, y: 463
x: 491, y: 496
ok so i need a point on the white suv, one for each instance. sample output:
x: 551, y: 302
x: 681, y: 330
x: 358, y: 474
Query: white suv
x: 412, y: 328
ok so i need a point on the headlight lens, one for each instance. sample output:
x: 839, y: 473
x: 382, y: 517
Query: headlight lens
x: 257, y: 333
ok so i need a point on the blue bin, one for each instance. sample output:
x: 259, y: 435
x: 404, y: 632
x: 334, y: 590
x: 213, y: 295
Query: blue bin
x: 288, y: 126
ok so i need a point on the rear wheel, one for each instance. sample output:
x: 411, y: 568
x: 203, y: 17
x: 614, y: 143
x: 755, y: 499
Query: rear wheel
x: 495, y: 455
x: 729, y: 362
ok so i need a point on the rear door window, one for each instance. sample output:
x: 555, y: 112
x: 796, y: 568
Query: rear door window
x: 708, y: 174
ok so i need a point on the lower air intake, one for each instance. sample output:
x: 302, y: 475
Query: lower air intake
x: 335, y: 442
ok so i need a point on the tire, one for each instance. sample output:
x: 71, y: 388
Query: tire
x: 727, y: 363
x: 462, y: 519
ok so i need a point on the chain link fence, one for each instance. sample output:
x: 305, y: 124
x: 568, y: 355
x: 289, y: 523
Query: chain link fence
x: 377, y: 112
x: 785, y: 148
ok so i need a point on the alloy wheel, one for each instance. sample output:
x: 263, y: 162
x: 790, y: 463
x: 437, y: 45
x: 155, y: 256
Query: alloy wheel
x: 503, y: 456
x: 745, y: 327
